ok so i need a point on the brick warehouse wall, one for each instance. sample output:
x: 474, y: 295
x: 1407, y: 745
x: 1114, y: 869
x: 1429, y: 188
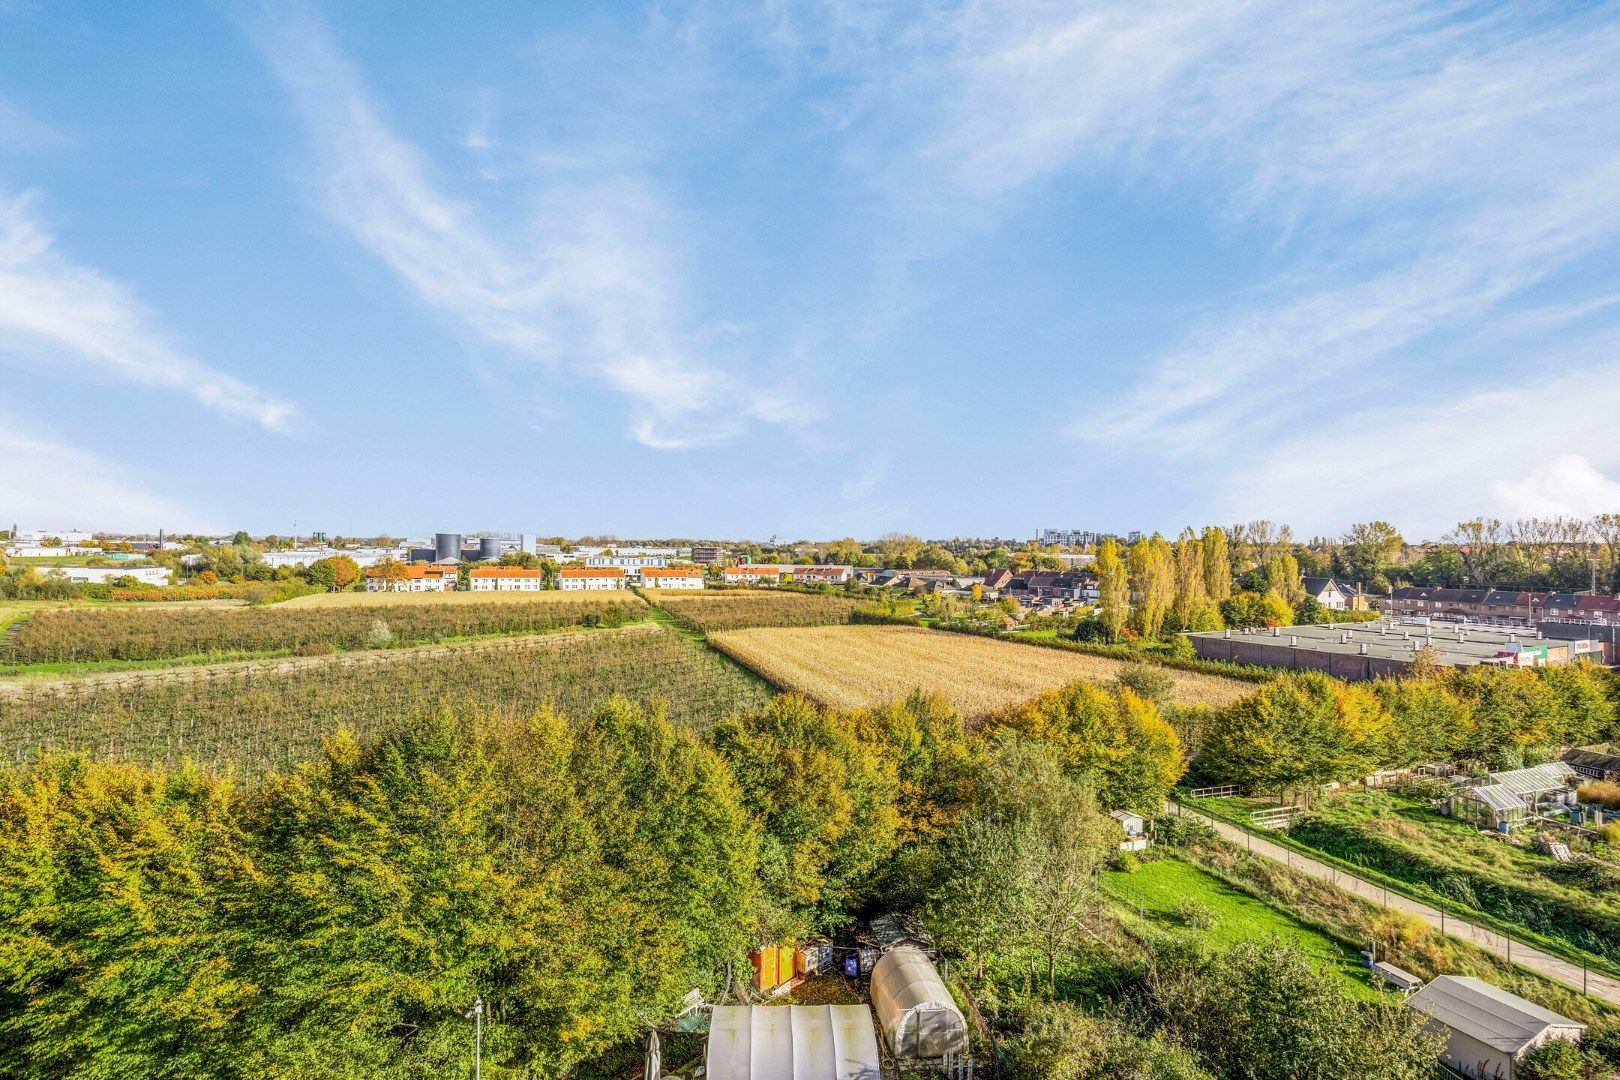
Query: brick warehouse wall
x: 1275, y: 652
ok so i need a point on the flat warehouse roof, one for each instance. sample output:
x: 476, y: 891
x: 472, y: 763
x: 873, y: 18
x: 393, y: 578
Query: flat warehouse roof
x: 1393, y: 640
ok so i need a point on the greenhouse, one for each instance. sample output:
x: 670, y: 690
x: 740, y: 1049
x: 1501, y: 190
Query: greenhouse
x: 918, y: 1017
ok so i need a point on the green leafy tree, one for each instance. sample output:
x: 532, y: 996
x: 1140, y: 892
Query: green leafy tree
x: 117, y: 953
x: 826, y: 803
x: 1369, y: 550
x: 1117, y: 743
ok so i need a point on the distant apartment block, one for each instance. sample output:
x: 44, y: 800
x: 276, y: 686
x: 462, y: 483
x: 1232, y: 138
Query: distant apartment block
x: 752, y: 575
x: 673, y: 577
x: 504, y: 579
x: 411, y: 578
x: 576, y: 578
x: 822, y: 575
x: 708, y: 554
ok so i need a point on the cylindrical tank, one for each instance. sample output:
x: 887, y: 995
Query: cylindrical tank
x: 446, y: 546
x: 489, y: 549
x: 422, y: 554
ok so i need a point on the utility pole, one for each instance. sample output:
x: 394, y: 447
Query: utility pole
x: 477, y: 1017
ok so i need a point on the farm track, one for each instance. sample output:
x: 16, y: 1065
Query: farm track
x: 289, y: 664
x: 1526, y: 956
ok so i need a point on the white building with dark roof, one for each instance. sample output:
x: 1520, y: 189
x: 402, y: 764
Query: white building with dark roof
x: 1488, y: 1030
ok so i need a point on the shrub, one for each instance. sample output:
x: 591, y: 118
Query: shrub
x: 1556, y: 1060
x: 1194, y: 915
x: 1126, y: 862
x: 1604, y: 793
x: 1173, y: 830
x: 1150, y: 683
x: 379, y: 636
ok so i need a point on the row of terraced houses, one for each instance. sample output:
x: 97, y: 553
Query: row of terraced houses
x: 1502, y: 605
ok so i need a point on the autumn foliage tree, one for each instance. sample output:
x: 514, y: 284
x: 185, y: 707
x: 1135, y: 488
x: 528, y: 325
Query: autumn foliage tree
x: 1115, y: 741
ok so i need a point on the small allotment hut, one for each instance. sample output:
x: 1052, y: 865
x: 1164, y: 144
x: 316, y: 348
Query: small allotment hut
x: 918, y: 1017
x: 1488, y: 1030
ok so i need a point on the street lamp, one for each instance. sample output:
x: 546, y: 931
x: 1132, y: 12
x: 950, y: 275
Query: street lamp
x: 476, y: 1015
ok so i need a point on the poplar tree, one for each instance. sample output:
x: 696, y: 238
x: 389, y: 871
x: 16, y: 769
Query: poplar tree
x: 1153, y: 580
x: 1217, y: 564
x: 1113, y: 587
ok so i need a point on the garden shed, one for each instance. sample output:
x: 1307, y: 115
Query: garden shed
x: 915, y: 1011
x: 792, y: 1042
x: 1488, y: 1030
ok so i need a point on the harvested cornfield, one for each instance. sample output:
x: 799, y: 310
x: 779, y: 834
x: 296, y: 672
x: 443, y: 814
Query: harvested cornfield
x: 266, y: 715
x: 859, y: 666
x: 88, y: 634
x: 733, y: 610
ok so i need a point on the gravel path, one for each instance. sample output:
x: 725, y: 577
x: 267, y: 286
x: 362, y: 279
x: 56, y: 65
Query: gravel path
x: 1526, y: 956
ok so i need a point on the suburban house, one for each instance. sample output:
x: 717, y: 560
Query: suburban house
x: 996, y: 581
x: 505, y: 579
x: 1600, y: 762
x: 1488, y: 1030
x: 673, y: 577
x: 1334, y: 594
x: 575, y: 578
x: 1054, y: 585
x: 415, y: 577
x: 752, y: 575
x: 822, y: 575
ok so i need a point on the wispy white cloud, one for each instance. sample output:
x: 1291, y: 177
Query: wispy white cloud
x: 50, y: 484
x: 68, y: 317
x: 588, y: 285
x: 1423, y: 167
x: 1503, y: 447
x: 1568, y: 485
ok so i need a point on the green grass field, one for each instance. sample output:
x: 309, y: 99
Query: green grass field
x: 1159, y: 890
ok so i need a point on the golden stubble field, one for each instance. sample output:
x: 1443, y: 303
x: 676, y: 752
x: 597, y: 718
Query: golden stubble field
x: 860, y: 666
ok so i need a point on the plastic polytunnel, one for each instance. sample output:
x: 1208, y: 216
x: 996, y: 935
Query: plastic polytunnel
x: 914, y: 1009
x: 792, y: 1042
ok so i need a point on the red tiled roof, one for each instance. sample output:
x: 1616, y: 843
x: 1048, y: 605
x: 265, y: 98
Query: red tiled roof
x: 416, y: 570
x: 672, y: 571
x: 591, y: 571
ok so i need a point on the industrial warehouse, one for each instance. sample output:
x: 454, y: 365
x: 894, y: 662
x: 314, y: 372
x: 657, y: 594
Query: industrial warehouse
x: 1389, y: 647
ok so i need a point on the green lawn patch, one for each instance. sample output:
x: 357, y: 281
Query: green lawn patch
x: 1161, y: 891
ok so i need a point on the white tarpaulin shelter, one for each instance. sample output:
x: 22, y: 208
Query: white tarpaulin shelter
x: 792, y: 1042
x: 915, y: 1010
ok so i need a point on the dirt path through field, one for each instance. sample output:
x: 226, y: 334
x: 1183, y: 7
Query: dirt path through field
x: 1526, y: 956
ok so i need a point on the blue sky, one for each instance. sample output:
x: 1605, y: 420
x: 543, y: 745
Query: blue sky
x: 807, y: 269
